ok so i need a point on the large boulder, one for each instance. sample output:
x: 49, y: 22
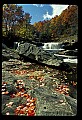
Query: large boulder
x: 36, y: 53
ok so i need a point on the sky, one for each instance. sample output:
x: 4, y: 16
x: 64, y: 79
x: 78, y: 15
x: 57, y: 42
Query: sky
x: 40, y: 12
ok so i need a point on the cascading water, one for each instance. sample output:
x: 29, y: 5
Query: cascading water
x: 16, y: 44
x: 55, y: 46
x: 52, y: 46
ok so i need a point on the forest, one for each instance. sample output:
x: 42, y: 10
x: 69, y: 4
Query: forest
x: 16, y: 25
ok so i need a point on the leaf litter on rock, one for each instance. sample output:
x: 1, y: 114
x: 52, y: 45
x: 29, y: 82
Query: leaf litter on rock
x: 22, y: 111
x: 39, y: 77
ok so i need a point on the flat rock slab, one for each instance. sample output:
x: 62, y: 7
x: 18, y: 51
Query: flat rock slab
x: 49, y: 104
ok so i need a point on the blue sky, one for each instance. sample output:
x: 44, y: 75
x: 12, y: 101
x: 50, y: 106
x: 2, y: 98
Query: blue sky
x: 40, y: 12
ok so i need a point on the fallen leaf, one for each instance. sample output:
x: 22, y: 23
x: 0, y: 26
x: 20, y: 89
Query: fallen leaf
x: 31, y: 104
x: 31, y: 113
x: 32, y: 107
x: 21, y: 112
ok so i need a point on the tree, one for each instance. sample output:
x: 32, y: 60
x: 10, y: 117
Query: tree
x: 64, y: 24
x: 14, y: 18
x: 9, y: 17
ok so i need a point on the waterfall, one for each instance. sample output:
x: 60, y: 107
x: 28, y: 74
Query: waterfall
x: 70, y: 60
x: 55, y: 46
x: 16, y: 44
x: 52, y: 46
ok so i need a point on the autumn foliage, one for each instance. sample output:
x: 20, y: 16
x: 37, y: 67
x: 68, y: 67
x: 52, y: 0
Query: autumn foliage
x: 65, y: 23
x: 16, y: 21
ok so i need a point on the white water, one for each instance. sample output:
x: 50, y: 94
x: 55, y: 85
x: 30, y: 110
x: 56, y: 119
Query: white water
x: 70, y: 60
x: 16, y: 44
x: 52, y: 46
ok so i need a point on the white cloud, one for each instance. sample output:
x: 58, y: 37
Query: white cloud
x: 56, y: 10
x: 35, y: 5
x: 41, y: 5
x: 47, y: 15
x: 38, y: 5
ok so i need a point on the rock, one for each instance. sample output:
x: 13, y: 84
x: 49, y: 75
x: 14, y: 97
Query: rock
x: 11, y: 89
x: 8, y: 53
x: 16, y: 101
x: 8, y: 110
x: 73, y: 92
x: 33, y: 52
x: 73, y: 103
x: 8, y: 77
x: 4, y: 46
x: 5, y: 99
x: 49, y: 104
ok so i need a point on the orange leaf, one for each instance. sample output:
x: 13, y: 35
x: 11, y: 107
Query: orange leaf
x: 21, y: 106
x: 26, y: 95
x: 32, y: 107
x: 22, y: 90
x: 31, y: 113
x: 16, y: 111
x: 21, y: 112
x: 33, y: 100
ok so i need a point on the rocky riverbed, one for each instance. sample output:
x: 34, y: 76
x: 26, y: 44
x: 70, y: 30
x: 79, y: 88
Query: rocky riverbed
x: 31, y: 89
